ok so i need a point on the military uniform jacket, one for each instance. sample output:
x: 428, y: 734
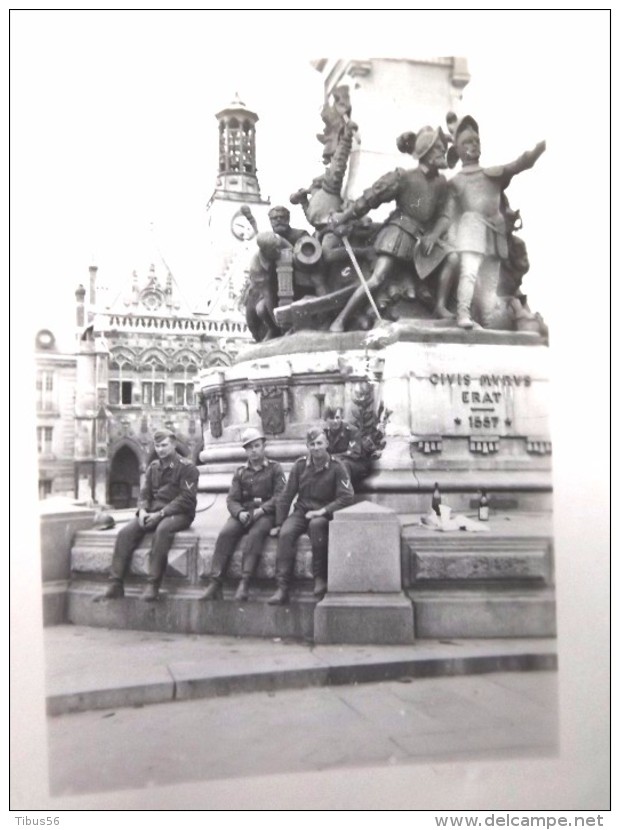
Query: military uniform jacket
x: 341, y: 440
x: 252, y: 488
x: 326, y: 487
x: 171, y: 487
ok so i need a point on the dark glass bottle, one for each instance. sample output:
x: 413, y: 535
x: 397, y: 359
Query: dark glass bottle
x: 483, y: 507
x: 436, y: 500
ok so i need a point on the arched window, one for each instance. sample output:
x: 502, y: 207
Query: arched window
x: 154, y: 381
x: 184, y: 372
x: 121, y: 380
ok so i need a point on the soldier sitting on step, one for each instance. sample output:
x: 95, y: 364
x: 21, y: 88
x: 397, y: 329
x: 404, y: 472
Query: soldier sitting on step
x: 251, y: 503
x: 167, y: 504
x: 322, y: 485
x: 345, y: 443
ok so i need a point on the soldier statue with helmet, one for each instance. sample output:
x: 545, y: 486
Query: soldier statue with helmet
x: 476, y: 211
x: 419, y: 195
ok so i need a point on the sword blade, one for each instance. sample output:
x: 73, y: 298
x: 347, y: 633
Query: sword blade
x: 360, y: 276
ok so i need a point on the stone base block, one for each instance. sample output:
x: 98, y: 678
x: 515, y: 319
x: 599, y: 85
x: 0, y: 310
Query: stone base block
x: 184, y: 613
x: 364, y: 550
x: 445, y: 614
x: 55, y: 602
x: 380, y: 619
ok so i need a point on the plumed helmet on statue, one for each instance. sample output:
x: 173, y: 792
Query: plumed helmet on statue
x: 467, y: 122
x: 457, y: 127
x: 418, y: 144
x: 251, y: 434
x: 426, y: 140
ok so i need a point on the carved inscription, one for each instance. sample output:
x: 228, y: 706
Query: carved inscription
x: 483, y: 398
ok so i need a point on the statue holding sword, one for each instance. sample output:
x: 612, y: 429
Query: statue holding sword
x: 420, y: 195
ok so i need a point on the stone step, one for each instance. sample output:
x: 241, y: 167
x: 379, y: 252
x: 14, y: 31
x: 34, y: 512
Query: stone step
x: 437, y: 615
x: 483, y: 614
x: 180, y: 610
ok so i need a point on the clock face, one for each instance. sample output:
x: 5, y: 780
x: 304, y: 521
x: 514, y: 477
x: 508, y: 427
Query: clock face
x: 241, y: 227
x: 45, y: 339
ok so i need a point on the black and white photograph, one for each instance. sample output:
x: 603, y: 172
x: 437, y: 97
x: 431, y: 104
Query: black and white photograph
x: 309, y: 334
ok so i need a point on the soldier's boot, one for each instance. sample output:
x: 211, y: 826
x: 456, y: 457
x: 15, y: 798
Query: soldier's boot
x: 214, y: 591
x: 150, y: 593
x: 243, y: 591
x: 114, y: 590
x: 281, y: 596
x: 320, y: 587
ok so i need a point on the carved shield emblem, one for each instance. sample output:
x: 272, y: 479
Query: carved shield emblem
x: 215, y: 416
x: 272, y: 409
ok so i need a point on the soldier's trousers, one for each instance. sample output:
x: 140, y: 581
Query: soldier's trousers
x: 292, y: 528
x: 130, y: 536
x: 227, y: 540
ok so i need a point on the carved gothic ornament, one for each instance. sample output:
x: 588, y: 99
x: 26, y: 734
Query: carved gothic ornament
x: 538, y: 446
x: 152, y: 299
x: 426, y: 444
x: 484, y: 444
x: 212, y: 410
x: 273, y: 407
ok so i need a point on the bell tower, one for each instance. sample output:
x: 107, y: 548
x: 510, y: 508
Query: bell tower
x: 230, y: 234
x: 237, y: 179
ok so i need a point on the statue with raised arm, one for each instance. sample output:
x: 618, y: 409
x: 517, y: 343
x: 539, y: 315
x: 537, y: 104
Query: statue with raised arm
x: 476, y: 210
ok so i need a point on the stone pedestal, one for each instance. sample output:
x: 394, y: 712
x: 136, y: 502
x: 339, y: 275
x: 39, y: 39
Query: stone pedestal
x: 469, y: 410
x: 59, y: 526
x: 365, y: 602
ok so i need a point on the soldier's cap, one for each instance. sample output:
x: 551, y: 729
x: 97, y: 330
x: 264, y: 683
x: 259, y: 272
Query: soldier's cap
x: 104, y: 521
x: 251, y: 434
x: 426, y: 139
x: 162, y: 434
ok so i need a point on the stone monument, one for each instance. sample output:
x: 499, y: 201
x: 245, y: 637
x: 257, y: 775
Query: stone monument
x: 402, y: 310
x: 423, y: 313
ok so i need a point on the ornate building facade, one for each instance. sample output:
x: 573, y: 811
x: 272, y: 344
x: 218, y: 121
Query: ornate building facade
x: 136, y: 366
x: 137, y: 358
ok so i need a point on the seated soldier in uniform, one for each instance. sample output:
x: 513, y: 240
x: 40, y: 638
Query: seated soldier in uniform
x: 346, y: 443
x: 322, y: 485
x: 251, y: 502
x: 167, y: 504
x: 340, y: 434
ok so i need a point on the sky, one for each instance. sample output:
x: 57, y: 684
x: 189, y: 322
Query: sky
x: 113, y: 134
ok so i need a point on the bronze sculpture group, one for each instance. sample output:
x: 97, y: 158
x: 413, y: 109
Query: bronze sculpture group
x: 447, y: 251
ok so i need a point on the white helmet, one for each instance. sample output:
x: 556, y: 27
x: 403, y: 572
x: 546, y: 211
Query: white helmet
x: 251, y: 434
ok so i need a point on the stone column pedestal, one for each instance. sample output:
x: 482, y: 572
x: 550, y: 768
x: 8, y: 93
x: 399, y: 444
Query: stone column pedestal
x: 365, y: 603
